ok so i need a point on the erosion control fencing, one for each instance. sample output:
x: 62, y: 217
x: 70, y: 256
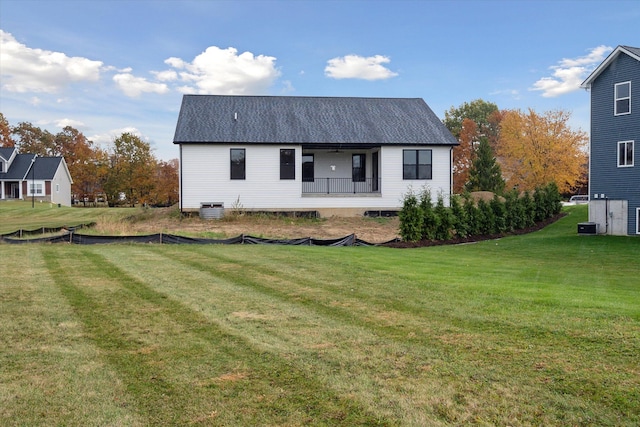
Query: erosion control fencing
x: 71, y: 236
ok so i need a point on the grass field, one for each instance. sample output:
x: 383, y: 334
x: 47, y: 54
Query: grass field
x: 541, y: 329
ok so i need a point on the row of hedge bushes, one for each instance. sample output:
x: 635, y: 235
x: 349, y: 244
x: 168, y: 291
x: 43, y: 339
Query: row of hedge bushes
x: 420, y: 219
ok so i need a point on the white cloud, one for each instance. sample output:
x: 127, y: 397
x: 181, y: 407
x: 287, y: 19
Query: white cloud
x: 570, y: 73
x: 165, y: 76
x: 105, y: 140
x: 223, y: 72
x: 359, y: 67
x: 61, y: 123
x: 134, y: 86
x: 35, y: 70
x: 513, y: 93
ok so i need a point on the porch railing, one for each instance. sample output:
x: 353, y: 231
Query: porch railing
x: 340, y: 186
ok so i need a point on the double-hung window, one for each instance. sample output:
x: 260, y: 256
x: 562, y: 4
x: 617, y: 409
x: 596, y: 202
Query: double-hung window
x: 35, y: 188
x: 238, y: 167
x: 622, y: 98
x: 288, y: 163
x: 416, y: 164
x: 625, y: 154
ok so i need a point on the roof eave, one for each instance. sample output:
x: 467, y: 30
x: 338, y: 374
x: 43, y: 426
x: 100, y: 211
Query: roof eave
x: 613, y: 55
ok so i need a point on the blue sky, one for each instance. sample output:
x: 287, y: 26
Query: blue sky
x: 105, y: 67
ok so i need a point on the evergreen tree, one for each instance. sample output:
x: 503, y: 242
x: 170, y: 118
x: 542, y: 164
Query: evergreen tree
x: 410, y: 218
x: 485, y: 174
x: 445, y: 220
x: 429, y: 217
x: 459, y: 217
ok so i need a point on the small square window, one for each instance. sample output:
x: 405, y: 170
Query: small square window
x: 622, y: 98
x: 416, y: 164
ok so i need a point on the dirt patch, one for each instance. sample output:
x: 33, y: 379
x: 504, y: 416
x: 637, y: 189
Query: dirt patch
x: 373, y: 230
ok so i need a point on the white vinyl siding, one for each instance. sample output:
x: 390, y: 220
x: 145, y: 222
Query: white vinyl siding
x: 62, y: 185
x: 205, y: 177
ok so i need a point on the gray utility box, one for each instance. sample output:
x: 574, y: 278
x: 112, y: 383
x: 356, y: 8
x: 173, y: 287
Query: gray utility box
x: 588, y: 228
x: 211, y: 210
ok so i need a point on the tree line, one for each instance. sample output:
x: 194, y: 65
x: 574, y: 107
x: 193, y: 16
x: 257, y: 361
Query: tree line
x: 504, y: 149
x: 526, y: 159
x: 125, y: 173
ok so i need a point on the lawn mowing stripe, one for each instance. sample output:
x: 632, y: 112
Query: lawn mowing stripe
x: 306, y: 290
x: 157, y: 396
x: 312, y: 358
x: 521, y: 350
x: 48, y: 369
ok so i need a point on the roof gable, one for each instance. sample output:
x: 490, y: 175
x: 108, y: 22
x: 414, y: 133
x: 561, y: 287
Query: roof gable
x: 18, y: 168
x: 633, y: 52
x: 308, y: 120
x: 45, y: 168
x: 6, y: 152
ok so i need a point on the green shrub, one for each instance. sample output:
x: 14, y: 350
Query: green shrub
x: 459, y: 217
x: 429, y: 218
x: 410, y: 218
x: 444, y: 222
x: 499, y: 214
x: 472, y: 215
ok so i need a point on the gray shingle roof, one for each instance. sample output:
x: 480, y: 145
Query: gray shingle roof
x: 44, y: 169
x: 5, y: 152
x: 308, y: 120
x: 634, y: 50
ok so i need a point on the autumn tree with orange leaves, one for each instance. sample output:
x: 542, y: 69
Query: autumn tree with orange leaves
x: 469, y: 123
x: 537, y: 149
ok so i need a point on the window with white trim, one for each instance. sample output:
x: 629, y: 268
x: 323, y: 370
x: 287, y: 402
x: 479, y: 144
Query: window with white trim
x: 637, y: 220
x: 625, y: 154
x: 622, y: 104
x: 35, y: 189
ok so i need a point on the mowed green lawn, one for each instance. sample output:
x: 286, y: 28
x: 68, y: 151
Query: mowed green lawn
x: 542, y: 329
x: 16, y: 215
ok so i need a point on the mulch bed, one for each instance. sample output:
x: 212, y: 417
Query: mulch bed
x: 472, y: 239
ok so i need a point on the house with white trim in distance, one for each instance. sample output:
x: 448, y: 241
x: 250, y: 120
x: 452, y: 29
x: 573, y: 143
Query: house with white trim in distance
x: 29, y: 176
x: 614, y: 148
x: 342, y: 156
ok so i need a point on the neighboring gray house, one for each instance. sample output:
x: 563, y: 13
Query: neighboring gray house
x: 335, y: 156
x: 614, y: 154
x: 28, y: 176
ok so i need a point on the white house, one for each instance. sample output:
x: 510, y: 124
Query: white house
x: 28, y: 176
x: 335, y: 156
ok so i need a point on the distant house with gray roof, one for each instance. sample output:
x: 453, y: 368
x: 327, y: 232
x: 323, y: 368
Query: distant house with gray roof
x: 28, y: 176
x: 335, y: 156
x: 614, y: 149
